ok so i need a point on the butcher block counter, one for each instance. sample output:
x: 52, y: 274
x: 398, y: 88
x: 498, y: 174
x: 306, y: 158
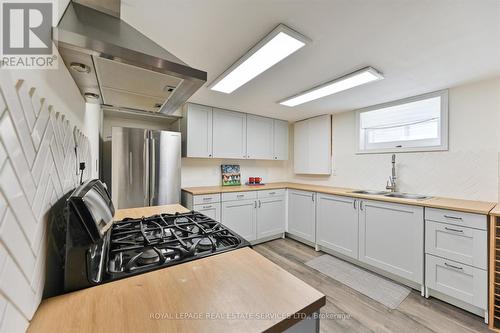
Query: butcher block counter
x: 235, y: 291
x: 469, y: 206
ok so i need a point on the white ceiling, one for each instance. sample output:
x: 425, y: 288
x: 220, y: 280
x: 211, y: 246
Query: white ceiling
x: 419, y: 45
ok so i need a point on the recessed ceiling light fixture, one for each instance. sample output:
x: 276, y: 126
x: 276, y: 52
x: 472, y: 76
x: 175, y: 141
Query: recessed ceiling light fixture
x: 276, y: 46
x: 357, y: 78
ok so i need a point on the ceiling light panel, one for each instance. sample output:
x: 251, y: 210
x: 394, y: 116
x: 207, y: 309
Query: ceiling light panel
x: 276, y: 46
x: 360, y: 77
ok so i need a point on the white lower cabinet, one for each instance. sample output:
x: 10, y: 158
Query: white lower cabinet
x: 456, y: 260
x: 270, y: 217
x: 462, y: 282
x: 337, y: 224
x: 391, y: 237
x: 302, y: 214
x: 255, y: 215
x: 210, y: 210
x: 241, y: 217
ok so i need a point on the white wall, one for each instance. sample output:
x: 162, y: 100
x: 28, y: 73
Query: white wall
x: 207, y: 171
x: 469, y: 170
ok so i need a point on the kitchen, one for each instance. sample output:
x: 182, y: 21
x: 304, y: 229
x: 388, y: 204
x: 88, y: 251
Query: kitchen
x: 231, y: 166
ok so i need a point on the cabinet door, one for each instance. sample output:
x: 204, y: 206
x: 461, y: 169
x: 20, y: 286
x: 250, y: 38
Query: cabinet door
x: 391, y: 237
x: 198, y: 132
x: 312, y: 146
x: 337, y: 224
x: 229, y: 134
x: 240, y: 216
x: 210, y: 210
x: 301, y: 147
x: 301, y: 214
x: 259, y: 137
x: 280, y: 141
x: 270, y: 217
x: 320, y: 140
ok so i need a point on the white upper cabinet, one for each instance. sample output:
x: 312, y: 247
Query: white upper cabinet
x: 259, y: 137
x: 312, y: 146
x: 280, y: 139
x: 216, y: 133
x: 229, y: 134
x: 196, y: 126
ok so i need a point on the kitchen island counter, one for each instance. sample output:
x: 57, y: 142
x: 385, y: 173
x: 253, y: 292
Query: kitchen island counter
x: 238, y: 290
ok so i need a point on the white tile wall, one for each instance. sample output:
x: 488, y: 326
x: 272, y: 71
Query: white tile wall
x: 37, y: 166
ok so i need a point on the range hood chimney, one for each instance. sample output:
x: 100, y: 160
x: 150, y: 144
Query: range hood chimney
x: 115, y: 65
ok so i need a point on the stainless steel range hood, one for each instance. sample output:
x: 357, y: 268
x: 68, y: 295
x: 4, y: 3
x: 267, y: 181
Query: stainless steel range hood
x: 115, y: 65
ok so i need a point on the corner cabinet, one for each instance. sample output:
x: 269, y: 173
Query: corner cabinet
x: 196, y: 126
x: 391, y: 237
x: 302, y: 214
x: 337, y: 224
x: 280, y: 139
x: 312, y: 146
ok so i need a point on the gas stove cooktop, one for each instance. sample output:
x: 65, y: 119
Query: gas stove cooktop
x: 139, y: 245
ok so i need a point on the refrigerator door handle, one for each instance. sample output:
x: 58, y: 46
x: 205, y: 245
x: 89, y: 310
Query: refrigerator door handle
x: 130, y: 173
x: 152, y: 189
x: 146, y: 171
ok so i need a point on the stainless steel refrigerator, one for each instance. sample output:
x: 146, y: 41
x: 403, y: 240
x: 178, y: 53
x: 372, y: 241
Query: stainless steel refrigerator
x: 145, y: 167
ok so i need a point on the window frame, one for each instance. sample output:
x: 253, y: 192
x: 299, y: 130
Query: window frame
x: 408, y: 149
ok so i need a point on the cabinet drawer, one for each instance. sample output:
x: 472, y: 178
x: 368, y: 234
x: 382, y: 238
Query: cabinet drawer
x: 210, y: 210
x: 459, y: 218
x: 271, y: 193
x: 462, y: 244
x: 206, y: 198
x: 232, y: 196
x: 463, y: 282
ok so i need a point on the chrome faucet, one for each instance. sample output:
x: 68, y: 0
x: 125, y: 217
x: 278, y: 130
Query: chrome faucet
x: 391, y: 183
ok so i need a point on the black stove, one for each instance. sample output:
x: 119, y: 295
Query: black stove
x: 138, y: 245
x: 99, y: 251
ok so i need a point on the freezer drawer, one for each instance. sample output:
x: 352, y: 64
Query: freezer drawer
x: 465, y: 245
x: 463, y: 282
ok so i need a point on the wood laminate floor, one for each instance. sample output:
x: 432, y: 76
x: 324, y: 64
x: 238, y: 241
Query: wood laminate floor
x: 359, y: 313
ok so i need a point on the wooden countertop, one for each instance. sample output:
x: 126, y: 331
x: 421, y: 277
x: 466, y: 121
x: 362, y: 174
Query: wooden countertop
x: 469, y: 206
x: 496, y: 210
x: 220, y: 293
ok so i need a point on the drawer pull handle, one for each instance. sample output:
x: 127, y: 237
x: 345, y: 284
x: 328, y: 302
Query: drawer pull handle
x: 451, y: 229
x: 271, y: 193
x: 206, y: 207
x: 453, y: 217
x: 453, y: 266
x: 240, y: 195
x: 206, y: 199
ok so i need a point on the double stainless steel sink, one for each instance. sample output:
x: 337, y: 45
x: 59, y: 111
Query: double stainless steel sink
x: 393, y: 194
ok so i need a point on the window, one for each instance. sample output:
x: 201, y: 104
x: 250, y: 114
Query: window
x: 413, y: 124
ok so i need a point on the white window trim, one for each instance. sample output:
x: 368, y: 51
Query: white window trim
x: 444, y: 125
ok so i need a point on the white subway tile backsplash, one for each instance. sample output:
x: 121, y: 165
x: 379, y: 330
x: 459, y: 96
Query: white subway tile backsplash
x: 24, y: 98
x: 37, y: 166
x: 18, y: 118
x: 17, y: 244
x: 17, y: 200
x: 36, y: 101
x: 9, y: 137
x: 16, y: 288
x: 40, y: 125
x: 13, y: 321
